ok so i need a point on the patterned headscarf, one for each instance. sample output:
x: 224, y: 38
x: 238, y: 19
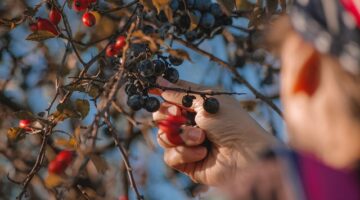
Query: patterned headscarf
x: 333, y: 27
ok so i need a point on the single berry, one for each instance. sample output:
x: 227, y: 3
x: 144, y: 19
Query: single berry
x: 147, y: 30
x: 24, y: 124
x: 56, y: 167
x: 152, y: 104
x: 215, y: 9
x: 172, y: 75
x: 207, y: 21
x: 33, y: 27
x: 202, y: 5
x: 130, y: 89
x: 55, y: 16
x: 88, y: 19
x: 65, y: 156
x: 46, y: 25
x: 176, y: 61
x: 182, y: 22
x: 174, y: 5
x: 159, y: 67
x: 211, y: 105
x: 80, y: 5
x: 190, y: 4
x: 120, y: 42
x: 146, y: 68
x: 187, y: 100
x: 111, y: 50
x: 135, y: 102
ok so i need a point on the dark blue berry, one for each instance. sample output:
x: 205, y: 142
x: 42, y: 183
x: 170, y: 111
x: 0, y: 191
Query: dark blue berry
x: 135, y: 102
x: 159, y: 67
x: 207, y: 21
x: 215, y: 9
x: 152, y: 104
x: 146, y: 68
x: 187, y: 100
x: 171, y: 74
x: 211, y: 105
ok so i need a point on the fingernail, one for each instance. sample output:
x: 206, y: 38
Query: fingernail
x: 173, y: 110
x: 195, y: 135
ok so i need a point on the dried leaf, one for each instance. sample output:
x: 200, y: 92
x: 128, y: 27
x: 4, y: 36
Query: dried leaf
x: 99, y: 163
x: 194, y: 21
x: 40, y: 36
x: 70, y: 144
x: 179, y: 53
x: 15, y: 134
x: 68, y: 110
x: 53, y: 180
x: 248, y: 105
x: 83, y: 107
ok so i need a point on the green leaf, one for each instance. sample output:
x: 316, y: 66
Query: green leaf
x: 40, y: 36
x: 83, y: 107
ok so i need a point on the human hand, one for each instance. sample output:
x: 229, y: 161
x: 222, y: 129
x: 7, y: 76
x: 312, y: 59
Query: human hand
x: 235, y: 138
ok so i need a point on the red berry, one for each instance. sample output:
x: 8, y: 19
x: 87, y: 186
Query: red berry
x: 55, y: 16
x: 65, y: 156
x: 24, y: 124
x: 123, y: 197
x: 120, y: 42
x: 89, y: 19
x: 56, y: 167
x: 111, y: 50
x: 33, y: 27
x: 80, y: 5
x: 46, y: 25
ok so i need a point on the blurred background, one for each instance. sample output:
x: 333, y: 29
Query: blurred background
x: 30, y: 71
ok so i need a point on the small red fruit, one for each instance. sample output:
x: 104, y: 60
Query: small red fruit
x: 55, y: 16
x: 123, y: 197
x: 80, y: 5
x: 111, y: 51
x: 25, y: 124
x: 46, y: 25
x: 56, y: 167
x: 120, y: 42
x: 33, y: 27
x: 89, y: 19
x: 171, y: 126
x: 65, y: 157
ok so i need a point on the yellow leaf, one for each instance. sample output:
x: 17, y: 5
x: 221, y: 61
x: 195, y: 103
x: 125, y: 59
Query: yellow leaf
x: 40, y: 36
x: 70, y: 144
x: 53, y: 180
x: 99, y: 163
x: 243, y: 5
x: 179, y: 53
x: 194, y: 21
x: 82, y: 106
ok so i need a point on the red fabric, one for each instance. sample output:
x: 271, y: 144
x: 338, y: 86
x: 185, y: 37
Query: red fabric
x: 353, y: 8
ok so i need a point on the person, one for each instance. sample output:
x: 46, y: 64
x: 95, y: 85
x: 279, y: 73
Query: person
x: 319, y: 51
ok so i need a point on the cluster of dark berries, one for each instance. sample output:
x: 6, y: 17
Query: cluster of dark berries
x: 196, y: 19
x: 141, y: 77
